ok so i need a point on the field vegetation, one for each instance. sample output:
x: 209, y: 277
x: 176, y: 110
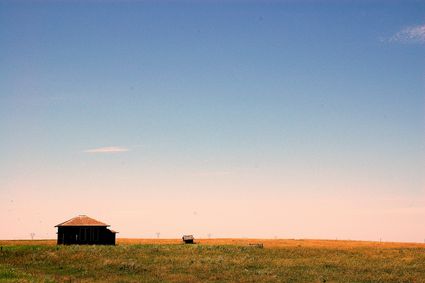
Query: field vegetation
x: 213, y: 260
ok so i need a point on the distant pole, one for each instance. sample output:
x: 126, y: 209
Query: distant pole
x: 157, y: 234
x: 32, y: 234
x: 209, y: 235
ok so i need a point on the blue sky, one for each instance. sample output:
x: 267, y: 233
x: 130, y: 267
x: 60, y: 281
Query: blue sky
x: 194, y: 105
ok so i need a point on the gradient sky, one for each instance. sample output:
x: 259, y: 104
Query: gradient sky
x: 289, y: 119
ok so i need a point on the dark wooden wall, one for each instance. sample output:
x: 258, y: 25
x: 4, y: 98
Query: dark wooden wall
x: 85, y: 235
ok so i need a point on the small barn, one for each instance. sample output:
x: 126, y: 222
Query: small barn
x: 188, y: 239
x: 83, y: 230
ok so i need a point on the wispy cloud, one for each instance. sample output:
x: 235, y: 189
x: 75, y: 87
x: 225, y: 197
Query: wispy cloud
x: 107, y: 149
x: 413, y: 34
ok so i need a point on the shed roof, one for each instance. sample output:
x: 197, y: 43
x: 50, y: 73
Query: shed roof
x: 82, y: 220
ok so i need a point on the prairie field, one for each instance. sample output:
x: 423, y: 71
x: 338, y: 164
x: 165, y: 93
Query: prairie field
x: 213, y: 260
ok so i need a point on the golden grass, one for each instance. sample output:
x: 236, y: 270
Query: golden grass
x: 213, y: 260
x: 27, y: 242
x: 268, y: 243
x: 277, y: 243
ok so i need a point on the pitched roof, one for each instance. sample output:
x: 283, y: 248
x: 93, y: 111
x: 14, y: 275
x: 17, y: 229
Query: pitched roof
x: 82, y: 220
x: 188, y: 237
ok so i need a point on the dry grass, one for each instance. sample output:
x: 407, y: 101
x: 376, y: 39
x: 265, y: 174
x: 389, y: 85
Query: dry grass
x: 27, y: 242
x: 213, y: 260
x: 277, y: 243
x: 268, y: 243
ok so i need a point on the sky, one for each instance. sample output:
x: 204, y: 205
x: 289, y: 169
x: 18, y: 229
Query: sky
x: 268, y: 119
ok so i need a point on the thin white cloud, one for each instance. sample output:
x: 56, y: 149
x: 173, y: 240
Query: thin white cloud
x: 107, y: 149
x: 413, y: 34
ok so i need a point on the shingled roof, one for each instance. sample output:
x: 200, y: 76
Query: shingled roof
x: 82, y: 220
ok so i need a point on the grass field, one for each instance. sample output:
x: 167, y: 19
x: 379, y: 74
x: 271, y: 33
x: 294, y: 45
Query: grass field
x: 215, y: 260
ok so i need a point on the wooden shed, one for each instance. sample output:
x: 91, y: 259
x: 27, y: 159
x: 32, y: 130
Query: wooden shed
x: 188, y: 239
x: 83, y: 230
